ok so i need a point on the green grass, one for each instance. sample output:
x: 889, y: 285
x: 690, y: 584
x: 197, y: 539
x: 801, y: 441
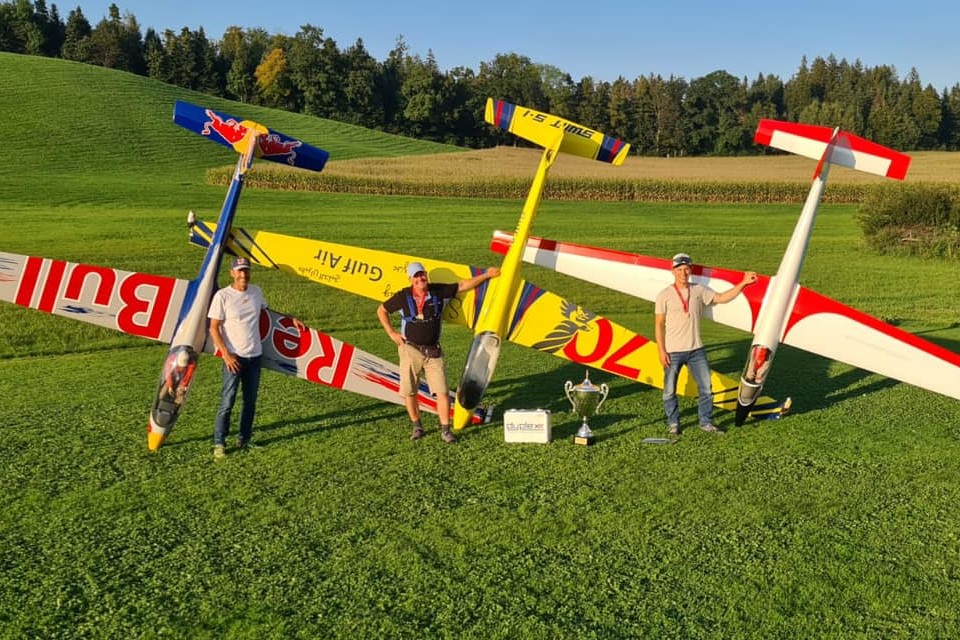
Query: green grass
x: 838, y: 521
x: 88, y: 121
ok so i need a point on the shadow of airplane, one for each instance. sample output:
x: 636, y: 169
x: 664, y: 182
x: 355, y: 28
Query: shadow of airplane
x: 806, y: 377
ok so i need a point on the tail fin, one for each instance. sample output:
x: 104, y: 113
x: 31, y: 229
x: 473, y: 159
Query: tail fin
x: 835, y: 147
x: 543, y: 129
x: 229, y: 131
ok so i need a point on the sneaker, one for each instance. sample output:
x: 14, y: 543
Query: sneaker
x: 709, y: 428
x: 247, y: 446
x: 448, y: 436
x: 219, y: 452
x: 674, y: 430
x: 417, y: 433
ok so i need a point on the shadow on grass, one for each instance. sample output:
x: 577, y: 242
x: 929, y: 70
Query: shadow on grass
x: 803, y: 376
x: 806, y: 377
x: 347, y: 418
x: 334, y: 420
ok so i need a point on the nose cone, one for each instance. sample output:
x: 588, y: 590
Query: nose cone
x: 743, y: 412
x: 154, y: 438
x: 461, y: 416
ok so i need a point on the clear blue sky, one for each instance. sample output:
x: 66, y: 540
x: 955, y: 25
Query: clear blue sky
x: 600, y: 38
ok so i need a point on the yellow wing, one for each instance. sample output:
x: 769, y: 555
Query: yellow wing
x: 546, y: 322
x: 369, y: 273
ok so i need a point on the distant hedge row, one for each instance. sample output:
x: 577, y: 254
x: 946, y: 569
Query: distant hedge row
x: 912, y: 219
x: 556, y: 189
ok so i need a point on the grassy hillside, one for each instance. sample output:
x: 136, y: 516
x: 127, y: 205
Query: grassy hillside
x: 86, y: 123
x: 71, y: 117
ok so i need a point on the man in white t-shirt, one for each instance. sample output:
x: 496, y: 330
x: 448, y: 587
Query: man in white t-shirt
x: 677, y: 313
x: 235, y: 329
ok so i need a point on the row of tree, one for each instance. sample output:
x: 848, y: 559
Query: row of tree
x: 410, y: 95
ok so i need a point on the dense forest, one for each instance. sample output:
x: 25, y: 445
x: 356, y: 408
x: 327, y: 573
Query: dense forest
x: 407, y: 94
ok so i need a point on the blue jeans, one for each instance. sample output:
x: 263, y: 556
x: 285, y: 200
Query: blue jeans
x: 699, y: 368
x: 249, y: 379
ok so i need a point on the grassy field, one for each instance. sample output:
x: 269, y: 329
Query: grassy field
x: 839, y: 521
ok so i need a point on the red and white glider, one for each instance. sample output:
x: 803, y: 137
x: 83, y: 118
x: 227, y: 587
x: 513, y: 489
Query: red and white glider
x: 777, y: 309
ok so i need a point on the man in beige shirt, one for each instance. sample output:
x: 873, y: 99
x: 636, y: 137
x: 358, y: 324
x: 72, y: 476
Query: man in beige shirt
x: 677, y: 312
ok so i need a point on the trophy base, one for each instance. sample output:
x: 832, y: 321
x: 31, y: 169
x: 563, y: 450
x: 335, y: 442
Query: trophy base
x: 583, y: 440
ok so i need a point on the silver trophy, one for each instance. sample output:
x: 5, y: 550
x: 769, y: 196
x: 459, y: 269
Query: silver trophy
x: 586, y: 399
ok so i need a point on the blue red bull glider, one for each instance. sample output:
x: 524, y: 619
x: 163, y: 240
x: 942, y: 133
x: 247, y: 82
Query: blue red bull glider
x: 175, y: 311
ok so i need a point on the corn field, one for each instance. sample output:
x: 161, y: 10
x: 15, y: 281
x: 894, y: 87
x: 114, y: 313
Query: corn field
x: 506, y: 173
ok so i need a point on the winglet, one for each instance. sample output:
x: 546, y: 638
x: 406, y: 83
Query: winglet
x: 543, y: 128
x: 836, y: 147
x: 230, y: 131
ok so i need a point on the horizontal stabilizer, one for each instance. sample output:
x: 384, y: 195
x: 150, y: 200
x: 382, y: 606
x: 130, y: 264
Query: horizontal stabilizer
x: 230, y: 132
x: 543, y: 129
x: 846, y: 149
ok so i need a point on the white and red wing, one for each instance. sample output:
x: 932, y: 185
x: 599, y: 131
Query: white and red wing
x: 828, y: 328
x: 319, y: 357
x: 637, y: 275
x: 817, y: 324
x: 846, y: 149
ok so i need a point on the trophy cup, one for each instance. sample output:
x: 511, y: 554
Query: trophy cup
x: 585, y: 398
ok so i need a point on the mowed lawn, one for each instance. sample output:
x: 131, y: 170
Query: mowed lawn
x: 838, y: 521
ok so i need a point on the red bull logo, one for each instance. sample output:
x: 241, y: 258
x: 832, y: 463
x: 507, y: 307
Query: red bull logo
x: 249, y: 137
x: 227, y: 128
x: 273, y: 146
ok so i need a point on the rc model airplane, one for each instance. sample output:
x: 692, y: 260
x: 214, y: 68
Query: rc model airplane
x: 175, y: 311
x: 777, y: 309
x: 555, y: 135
